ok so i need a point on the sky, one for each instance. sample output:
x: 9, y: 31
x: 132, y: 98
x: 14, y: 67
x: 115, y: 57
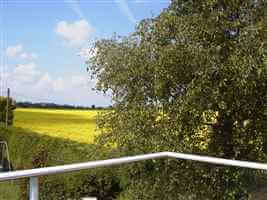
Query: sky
x: 44, y: 45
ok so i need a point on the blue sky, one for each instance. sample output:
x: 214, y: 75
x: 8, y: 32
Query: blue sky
x: 44, y: 43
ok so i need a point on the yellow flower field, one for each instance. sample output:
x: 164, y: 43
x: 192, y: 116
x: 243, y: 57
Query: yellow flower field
x: 76, y: 125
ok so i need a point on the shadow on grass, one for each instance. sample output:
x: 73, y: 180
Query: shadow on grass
x: 30, y: 150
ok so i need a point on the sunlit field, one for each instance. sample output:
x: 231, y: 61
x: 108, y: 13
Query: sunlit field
x: 76, y: 125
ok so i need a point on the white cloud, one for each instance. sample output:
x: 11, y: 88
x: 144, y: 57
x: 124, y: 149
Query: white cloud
x: 59, y: 84
x: 47, y: 83
x: 123, y: 5
x: 87, y: 52
x: 44, y: 82
x: 46, y: 78
x: 26, y: 73
x: 18, y: 51
x: 79, y: 80
x: 29, y: 56
x: 14, y: 51
x: 76, y: 34
x: 29, y: 83
x: 4, y: 76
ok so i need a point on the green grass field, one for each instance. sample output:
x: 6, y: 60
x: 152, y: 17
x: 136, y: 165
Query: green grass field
x: 76, y: 125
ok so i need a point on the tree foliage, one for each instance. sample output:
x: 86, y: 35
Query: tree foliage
x: 193, y: 80
x: 3, y: 110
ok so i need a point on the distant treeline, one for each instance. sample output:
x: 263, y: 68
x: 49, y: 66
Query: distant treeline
x: 57, y: 106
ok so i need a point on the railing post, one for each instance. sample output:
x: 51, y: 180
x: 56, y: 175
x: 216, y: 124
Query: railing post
x: 34, y: 188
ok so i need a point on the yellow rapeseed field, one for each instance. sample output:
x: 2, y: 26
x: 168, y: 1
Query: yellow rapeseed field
x: 76, y: 125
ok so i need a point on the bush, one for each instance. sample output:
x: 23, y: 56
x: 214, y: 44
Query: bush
x: 29, y: 150
x: 3, y: 106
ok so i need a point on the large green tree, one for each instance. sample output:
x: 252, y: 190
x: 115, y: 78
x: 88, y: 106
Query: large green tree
x: 194, y: 80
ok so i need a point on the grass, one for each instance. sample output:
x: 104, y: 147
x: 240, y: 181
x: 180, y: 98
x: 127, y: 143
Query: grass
x: 76, y: 125
x: 9, y: 190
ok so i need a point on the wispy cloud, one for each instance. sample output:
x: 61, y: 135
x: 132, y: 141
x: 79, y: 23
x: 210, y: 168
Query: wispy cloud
x: 18, y: 51
x: 13, y: 51
x: 123, y: 5
x: 29, y: 56
x: 74, y: 4
x: 76, y: 8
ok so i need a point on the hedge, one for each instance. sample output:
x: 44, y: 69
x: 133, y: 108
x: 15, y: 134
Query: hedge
x: 30, y: 150
x: 3, y: 106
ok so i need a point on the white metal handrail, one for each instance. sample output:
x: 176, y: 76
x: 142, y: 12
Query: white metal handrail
x: 33, y: 174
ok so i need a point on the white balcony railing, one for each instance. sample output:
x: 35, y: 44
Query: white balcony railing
x: 33, y: 174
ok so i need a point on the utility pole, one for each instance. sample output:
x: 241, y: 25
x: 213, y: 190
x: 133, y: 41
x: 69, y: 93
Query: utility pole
x: 7, y: 106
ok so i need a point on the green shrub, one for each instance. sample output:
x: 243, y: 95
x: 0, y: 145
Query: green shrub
x: 3, y: 107
x: 29, y: 150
